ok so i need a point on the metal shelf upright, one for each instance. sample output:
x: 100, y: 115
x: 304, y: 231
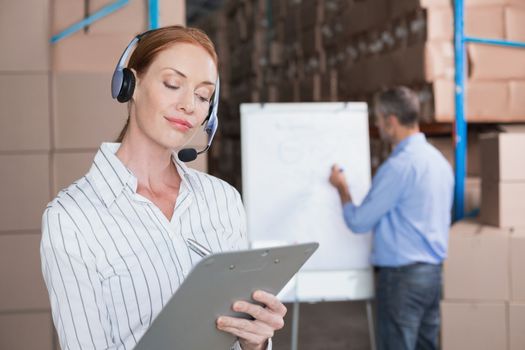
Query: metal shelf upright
x: 460, y: 126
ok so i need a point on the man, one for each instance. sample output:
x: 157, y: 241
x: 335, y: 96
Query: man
x: 408, y: 209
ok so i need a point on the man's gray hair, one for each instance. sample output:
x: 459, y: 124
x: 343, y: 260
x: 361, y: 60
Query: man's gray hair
x: 399, y: 101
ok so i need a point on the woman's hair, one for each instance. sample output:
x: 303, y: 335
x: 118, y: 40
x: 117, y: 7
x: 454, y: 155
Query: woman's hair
x: 152, y: 43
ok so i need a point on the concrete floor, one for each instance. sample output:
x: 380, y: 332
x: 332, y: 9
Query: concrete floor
x: 327, y: 326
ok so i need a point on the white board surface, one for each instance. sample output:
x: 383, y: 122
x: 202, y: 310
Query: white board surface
x: 287, y: 152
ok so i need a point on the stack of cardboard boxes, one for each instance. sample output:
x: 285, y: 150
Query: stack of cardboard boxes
x: 347, y: 50
x: 327, y: 50
x: 25, y: 319
x: 503, y: 178
x: 484, y: 285
x: 55, y: 110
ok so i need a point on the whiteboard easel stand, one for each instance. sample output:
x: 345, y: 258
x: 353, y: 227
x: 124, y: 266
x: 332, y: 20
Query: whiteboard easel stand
x: 350, y: 293
x: 369, y: 318
x: 295, y: 319
x: 278, y: 136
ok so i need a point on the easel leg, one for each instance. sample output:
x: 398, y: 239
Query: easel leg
x: 371, y: 328
x: 295, y: 325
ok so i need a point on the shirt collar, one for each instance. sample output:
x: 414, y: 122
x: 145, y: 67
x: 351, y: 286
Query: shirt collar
x: 188, y: 176
x: 111, y: 176
x: 408, y: 141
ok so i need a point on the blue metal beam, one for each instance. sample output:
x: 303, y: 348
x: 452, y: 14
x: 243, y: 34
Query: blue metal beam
x: 153, y: 14
x: 496, y: 42
x: 460, y: 127
x: 460, y: 124
x: 103, y: 12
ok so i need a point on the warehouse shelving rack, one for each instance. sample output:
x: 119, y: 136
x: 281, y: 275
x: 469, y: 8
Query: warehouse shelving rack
x: 460, y: 125
x: 153, y: 13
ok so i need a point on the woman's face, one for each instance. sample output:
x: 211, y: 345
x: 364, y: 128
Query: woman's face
x: 172, y: 98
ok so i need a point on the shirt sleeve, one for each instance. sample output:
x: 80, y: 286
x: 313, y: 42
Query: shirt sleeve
x: 386, y: 190
x: 75, y: 291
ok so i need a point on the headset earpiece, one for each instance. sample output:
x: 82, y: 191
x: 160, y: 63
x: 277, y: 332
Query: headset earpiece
x: 128, y: 86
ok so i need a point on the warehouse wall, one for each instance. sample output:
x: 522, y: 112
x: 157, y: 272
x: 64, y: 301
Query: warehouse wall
x: 55, y: 110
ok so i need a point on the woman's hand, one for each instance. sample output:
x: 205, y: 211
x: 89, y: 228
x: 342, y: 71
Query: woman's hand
x: 254, y: 334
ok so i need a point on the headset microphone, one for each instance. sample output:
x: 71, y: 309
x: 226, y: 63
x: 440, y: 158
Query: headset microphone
x: 187, y: 154
x: 123, y: 85
x: 212, y: 121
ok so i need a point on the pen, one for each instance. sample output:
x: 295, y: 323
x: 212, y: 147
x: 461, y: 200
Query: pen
x: 198, y: 248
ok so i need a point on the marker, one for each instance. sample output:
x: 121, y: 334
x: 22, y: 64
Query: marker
x: 198, y: 248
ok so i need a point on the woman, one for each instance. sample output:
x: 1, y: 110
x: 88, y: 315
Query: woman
x: 114, y: 244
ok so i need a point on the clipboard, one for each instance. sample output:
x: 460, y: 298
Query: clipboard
x: 188, y: 320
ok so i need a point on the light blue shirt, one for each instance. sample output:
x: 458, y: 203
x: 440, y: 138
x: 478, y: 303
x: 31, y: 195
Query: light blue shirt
x: 408, y: 206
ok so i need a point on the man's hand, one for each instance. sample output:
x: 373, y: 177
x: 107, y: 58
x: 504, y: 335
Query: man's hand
x: 254, y: 335
x: 338, y: 180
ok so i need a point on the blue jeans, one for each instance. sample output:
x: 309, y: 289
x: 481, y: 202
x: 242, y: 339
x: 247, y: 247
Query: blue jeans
x: 408, y: 307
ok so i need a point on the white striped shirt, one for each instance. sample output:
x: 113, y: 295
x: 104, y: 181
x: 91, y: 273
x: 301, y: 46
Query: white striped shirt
x: 110, y: 258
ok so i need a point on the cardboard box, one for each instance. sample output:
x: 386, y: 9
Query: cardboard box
x: 478, y: 263
x: 24, y: 189
x: 130, y: 20
x: 485, y: 22
x: 471, y: 325
x: 88, y: 53
x: 69, y: 167
x: 517, y: 100
x: 503, y: 204
x: 22, y: 331
x: 514, y: 19
x: 423, y: 62
x: 446, y: 146
x: 85, y: 115
x: 516, y: 326
x: 439, y: 60
x: 487, y: 101
x: 495, y: 62
x: 472, y: 3
x: 472, y: 194
x: 517, y: 263
x: 22, y: 286
x: 24, y: 112
x: 499, y: 160
x: 406, y: 66
x: 65, y: 13
x: 24, y: 35
x: 443, y: 96
x: 434, y: 3
x: 440, y: 23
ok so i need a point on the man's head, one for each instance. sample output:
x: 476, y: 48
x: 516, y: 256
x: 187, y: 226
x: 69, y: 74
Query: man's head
x: 396, y: 113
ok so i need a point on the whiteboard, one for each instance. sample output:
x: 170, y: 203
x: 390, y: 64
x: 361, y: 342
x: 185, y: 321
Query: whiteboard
x: 287, y: 152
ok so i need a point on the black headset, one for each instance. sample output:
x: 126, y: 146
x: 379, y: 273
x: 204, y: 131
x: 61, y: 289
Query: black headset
x: 123, y: 85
